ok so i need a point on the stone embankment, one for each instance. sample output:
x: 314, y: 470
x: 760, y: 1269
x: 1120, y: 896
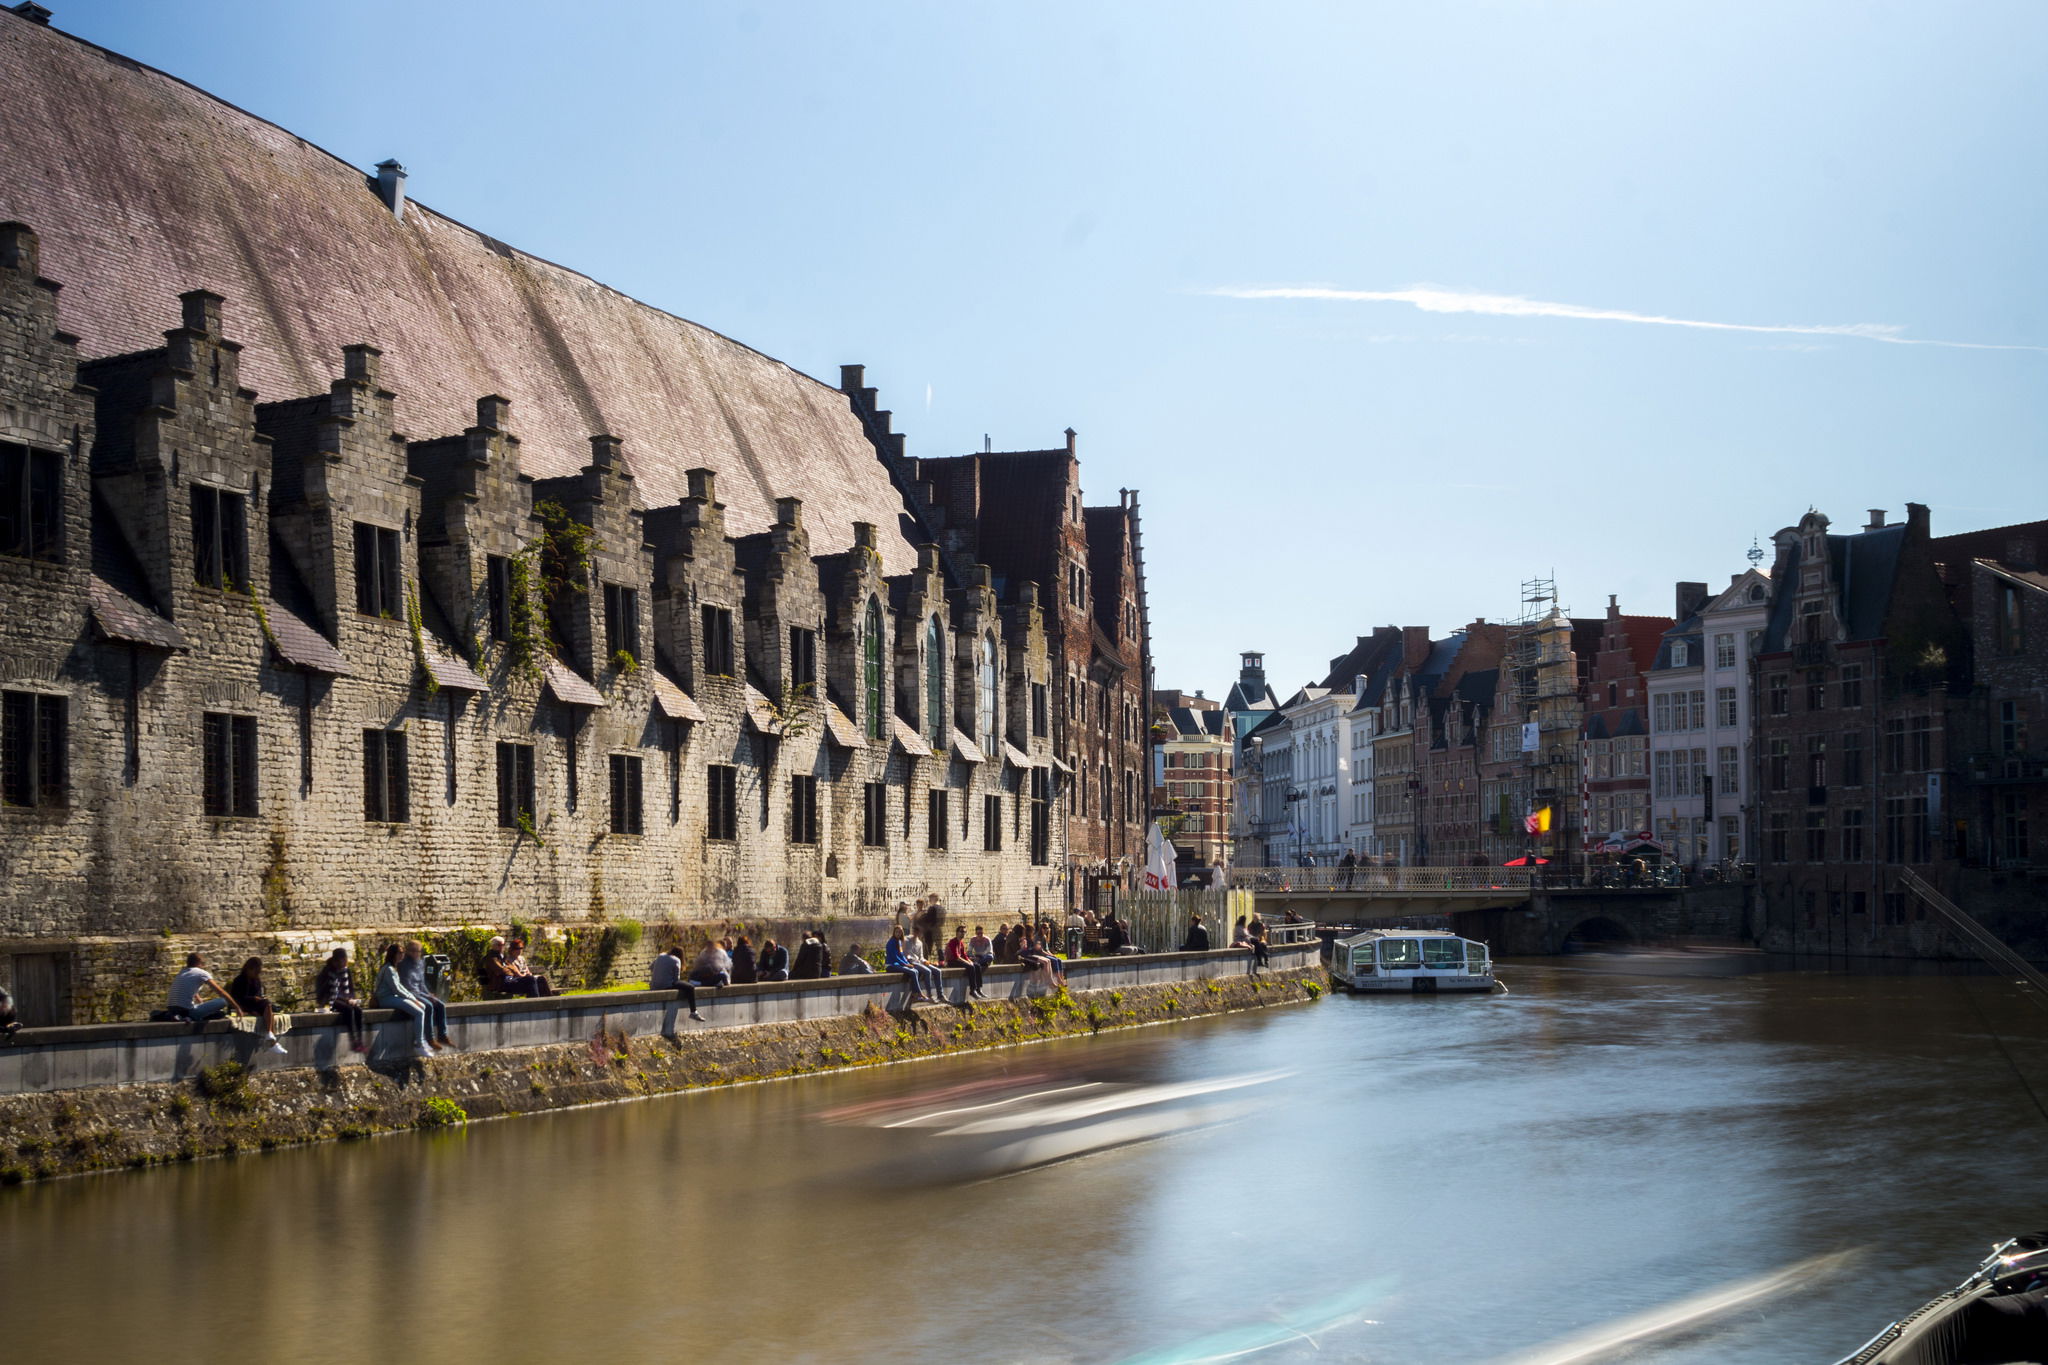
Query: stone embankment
x: 105, y: 1097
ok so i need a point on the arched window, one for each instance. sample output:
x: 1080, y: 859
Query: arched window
x: 985, y: 708
x: 935, y: 681
x: 871, y: 668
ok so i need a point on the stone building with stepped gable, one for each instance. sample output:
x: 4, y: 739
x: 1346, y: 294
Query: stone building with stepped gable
x: 362, y: 575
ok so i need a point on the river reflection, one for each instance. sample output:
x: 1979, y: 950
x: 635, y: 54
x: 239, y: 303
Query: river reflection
x: 1453, y: 1180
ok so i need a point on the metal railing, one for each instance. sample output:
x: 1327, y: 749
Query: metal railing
x: 1386, y: 879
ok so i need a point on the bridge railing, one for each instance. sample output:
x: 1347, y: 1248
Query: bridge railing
x: 1290, y: 933
x: 1383, y: 880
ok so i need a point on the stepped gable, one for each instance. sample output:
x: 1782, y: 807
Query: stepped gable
x: 142, y: 187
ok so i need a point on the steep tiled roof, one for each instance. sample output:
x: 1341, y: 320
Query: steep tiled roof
x: 142, y: 187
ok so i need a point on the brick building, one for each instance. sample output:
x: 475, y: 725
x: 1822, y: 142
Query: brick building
x: 363, y: 574
x: 1192, y: 794
x: 1617, y: 721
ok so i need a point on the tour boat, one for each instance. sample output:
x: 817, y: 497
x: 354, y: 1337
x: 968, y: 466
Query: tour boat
x: 1993, y: 1317
x: 1411, y: 962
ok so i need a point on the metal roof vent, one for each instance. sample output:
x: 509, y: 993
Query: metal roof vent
x: 391, y: 187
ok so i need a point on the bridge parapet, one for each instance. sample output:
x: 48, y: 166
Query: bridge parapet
x: 1387, y: 880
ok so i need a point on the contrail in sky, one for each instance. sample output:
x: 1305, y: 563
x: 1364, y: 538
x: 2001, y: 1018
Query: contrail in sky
x: 1437, y: 299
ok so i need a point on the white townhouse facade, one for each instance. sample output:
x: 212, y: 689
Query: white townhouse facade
x: 1320, y: 789
x: 1363, y: 728
x: 1702, y: 732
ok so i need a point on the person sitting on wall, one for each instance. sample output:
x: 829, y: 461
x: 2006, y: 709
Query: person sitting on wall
x: 923, y: 981
x: 247, y: 992
x: 853, y: 964
x: 1255, y: 938
x: 335, y: 989
x: 412, y: 974
x: 713, y: 967
x: 812, y: 961
x: 1001, y: 946
x: 981, y: 950
x: 1198, y: 936
x: 1113, y: 930
x: 1043, y: 963
x: 10, y: 1022
x: 390, y: 994
x: 516, y: 970
x: 499, y: 978
x: 185, y: 1003
x: 774, y: 961
x: 668, y: 976
x: 957, y: 955
x: 1239, y: 936
x: 744, y: 972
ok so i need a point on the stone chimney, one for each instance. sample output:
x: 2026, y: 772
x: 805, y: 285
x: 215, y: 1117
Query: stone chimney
x: 390, y: 185
x: 1690, y: 598
x: 789, y: 511
x: 864, y: 535
x: 34, y: 13
x: 18, y: 248
x: 493, y: 412
x: 703, y: 485
x: 202, y: 312
x: 360, y: 363
x: 1876, y: 522
x: 1917, y: 524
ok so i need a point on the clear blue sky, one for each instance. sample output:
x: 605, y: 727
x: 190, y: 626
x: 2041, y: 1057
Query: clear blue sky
x: 1019, y: 217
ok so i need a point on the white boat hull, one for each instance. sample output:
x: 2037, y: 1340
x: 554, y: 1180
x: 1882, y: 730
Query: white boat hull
x: 1416, y: 983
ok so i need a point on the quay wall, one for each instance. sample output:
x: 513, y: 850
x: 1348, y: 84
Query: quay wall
x: 103, y: 1097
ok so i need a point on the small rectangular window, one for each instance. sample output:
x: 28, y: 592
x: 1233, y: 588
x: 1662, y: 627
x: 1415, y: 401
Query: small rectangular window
x: 936, y: 829
x: 721, y: 801
x: 874, y: 822
x: 1040, y: 722
x: 498, y: 596
x: 992, y: 824
x: 1777, y: 694
x: 718, y: 661
x: 803, y: 659
x: 377, y: 572
x: 803, y: 809
x: 1852, y: 758
x: 387, y: 786
x: 1724, y: 651
x: 626, y: 794
x: 31, y: 503
x: 1852, y: 835
x: 228, y: 764
x: 621, y: 622
x: 515, y: 785
x: 1852, y: 685
x: 34, y: 749
x: 220, y: 538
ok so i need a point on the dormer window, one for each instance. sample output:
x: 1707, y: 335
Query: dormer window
x: 1680, y: 655
x: 220, y: 538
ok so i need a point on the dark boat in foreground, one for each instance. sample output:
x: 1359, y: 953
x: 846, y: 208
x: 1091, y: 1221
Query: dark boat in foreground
x: 1998, y: 1316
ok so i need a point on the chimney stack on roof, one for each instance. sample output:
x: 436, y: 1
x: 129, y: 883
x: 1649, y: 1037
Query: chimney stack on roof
x: 18, y: 248
x: 703, y: 485
x: 31, y: 11
x: 1070, y: 440
x: 493, y: 411
x: 391, y: 187
x: 864, y: 535
x: 359, y: 363
x: 1691, y: 597
x: 202, y: 312
x: 789, y: 511
x: 1876, y: 519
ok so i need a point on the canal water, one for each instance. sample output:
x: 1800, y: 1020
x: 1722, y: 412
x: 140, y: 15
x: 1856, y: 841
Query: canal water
x: 1451, y: 1179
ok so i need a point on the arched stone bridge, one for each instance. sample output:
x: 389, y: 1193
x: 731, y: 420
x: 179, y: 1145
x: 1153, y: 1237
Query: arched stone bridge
x: 1509, y: 909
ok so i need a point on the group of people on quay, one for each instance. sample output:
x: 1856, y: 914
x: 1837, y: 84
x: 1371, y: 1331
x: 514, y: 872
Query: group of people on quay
x: 401, y: 983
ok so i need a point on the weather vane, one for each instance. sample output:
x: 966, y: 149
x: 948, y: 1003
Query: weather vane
x: 1756, y: 552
